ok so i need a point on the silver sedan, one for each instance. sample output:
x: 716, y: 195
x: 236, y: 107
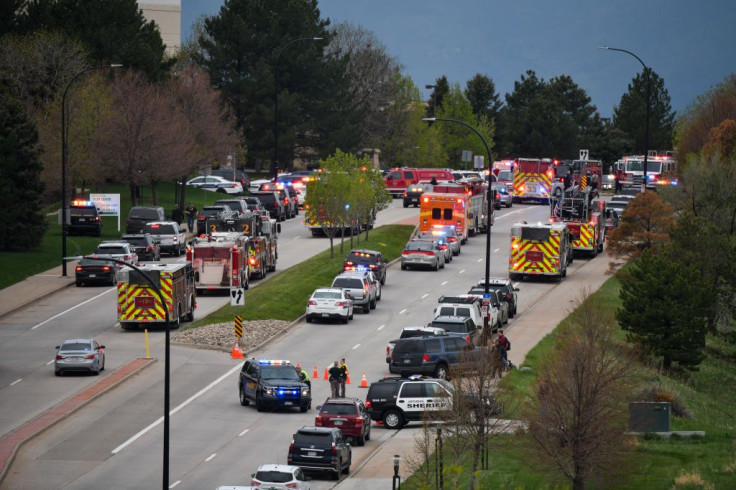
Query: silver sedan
x: 423, y: 253
x: 84, y: 355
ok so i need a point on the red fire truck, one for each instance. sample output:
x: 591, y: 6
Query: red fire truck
x: 536, y: 179
x: 220, y: 261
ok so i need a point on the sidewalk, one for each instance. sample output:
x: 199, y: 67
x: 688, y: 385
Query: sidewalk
x: 35, y: 287
x: 525, y: 332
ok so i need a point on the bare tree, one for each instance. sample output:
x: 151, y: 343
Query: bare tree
x: 577, y: 420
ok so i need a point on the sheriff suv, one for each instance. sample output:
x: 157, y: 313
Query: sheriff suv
x: 272, y: 384
x: 84, y: 218
x: 397, y: 401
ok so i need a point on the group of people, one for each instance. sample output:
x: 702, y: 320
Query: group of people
x: 338, y: 375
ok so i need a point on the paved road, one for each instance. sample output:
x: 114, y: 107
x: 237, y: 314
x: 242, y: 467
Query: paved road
x: 213, y: 439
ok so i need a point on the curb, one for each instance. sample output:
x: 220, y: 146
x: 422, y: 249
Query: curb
x: 13, y: 441
x: 30, y: 300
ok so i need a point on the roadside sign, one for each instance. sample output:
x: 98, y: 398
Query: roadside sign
x: 107, y: 205
x: 479, y: 162
x: 239, y: 326
x: 237, y: 296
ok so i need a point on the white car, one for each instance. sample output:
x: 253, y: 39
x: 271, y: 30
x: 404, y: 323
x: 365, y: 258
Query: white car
x: 330, y: 303
x: 280, y: 476
x: 216, y: 184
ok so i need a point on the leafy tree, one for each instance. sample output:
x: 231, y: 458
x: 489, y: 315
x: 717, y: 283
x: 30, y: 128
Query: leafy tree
x: 114, y: 31
x: 9, y: 15
x: 664, y: 309
x: 441, y: 88
x: 630, y: 115
x: 21, y: 186
x: 484, y: 100
x: 455, y: 137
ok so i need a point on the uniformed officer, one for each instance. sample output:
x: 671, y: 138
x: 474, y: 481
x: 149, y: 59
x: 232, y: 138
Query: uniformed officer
x: 343, y: 376
x: 335, y: 374
x: 304, y: 377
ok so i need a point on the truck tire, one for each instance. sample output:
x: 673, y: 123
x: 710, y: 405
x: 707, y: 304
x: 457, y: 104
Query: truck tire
x: 189, y: 317
x: 393, y: 419
x: 243, y: 400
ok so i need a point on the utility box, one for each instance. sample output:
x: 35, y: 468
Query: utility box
x: 649, y: 416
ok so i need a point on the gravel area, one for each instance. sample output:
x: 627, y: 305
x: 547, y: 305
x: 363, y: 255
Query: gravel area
x: 222, y: 335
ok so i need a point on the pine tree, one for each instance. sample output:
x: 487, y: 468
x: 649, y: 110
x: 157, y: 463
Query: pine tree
x: 20, y: 182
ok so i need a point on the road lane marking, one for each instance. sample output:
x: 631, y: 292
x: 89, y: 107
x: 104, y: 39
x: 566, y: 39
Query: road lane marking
x: 243, y: 433
x: 356, y: 346
x: 297, y: 237
x: 175, y: 484
x: 172, y: 412
x: 510, y: 213
x: 16, y: 381
x: 210, y: 457
x: 72, y: 308
x: 425, y: 295
x: 479, y: 260
x: 402, y: 311
x: 496, y: 250
x: 443, y: 283
x: 50, y: 362
x: 461, y: 271
x: 381, y: 327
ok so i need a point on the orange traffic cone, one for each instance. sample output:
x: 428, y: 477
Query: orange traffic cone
x: 327, y: 376
x: 315, y: 374
x: 347, y: 381
x: 297, y: 365
x: 364, y: 382
x: 237, y: 353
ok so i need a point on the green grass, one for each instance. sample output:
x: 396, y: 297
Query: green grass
x: 283, y: 297
x: 656, y: 463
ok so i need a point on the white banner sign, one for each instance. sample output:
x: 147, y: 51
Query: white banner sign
x: 107, y: 205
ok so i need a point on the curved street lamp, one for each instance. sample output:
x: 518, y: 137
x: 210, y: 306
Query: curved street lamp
x: 275, y: 164
x: 489, y: 213
x: 64, y: 206
x: 648, y: 91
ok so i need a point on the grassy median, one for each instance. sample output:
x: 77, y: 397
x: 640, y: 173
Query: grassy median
x: 284, y: 297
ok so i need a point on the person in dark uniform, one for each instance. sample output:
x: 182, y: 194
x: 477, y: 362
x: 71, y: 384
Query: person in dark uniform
x: 191, y: 213
x: 335, y: 373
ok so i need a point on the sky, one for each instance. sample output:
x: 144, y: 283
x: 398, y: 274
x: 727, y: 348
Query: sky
x: 691, y: 45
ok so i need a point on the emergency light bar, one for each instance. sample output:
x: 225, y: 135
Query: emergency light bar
x: 273, y: 362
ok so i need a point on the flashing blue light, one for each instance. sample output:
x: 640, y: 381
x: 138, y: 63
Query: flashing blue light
x: 651, y: 177
x: 415, y: 377
x: 361, y: 268
x: 347, y: 206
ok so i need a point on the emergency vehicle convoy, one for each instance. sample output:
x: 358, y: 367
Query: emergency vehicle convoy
x: 541, y: 249
x: 139, y: 303
x: 661, y: 170
x: 400, y: 178
x: 219, y: 261
x: 584, y: 218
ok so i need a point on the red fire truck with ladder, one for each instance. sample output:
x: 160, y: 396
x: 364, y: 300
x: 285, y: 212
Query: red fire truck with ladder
x: 541, y: 249
x: 535, y: 179
x: 220, y: 261
x: 584, y: 218
x: 139, y: 303
x: 661, y: 170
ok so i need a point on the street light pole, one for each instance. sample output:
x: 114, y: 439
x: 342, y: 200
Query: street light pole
x: 167, y: 356
x: 275, y: 164
x: 64, y: 206
x: 489, y: 215
x: 648, y: 92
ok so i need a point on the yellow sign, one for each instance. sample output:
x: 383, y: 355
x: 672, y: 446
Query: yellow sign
x: 238, y: 326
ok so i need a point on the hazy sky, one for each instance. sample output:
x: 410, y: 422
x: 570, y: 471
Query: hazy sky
x: 691, y: 45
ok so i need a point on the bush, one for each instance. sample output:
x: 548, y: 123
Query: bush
x: 658, y: 393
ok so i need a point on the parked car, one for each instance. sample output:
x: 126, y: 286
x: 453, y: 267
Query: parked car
x: 233, y: 175
x: 507, y: 291
x: 238, y: 204
x: 145, y: 246
x: 414, y: 192
x: 375, y: 284
x: 280, y: 476
x: 117, y: 250
x: 320, y: 448
x: 501, y: 307
x: 96, y: 271
x: 219, y: 212
x: 465, y: 305
x: 347, y: 414
x: 502, y: 196
x: 423, y: 253
x: 411, y: 332
x: 273, y: 204
x: 170, y: 237
x: 441, y: 241
x: 361, y: 259
x: 428, y: 356
x: 84, y: 218
x: 360, y: 291
x: 216, y: 184
x: 459, y: 326
x: 140, y: 215
x: 449, y: 233
x: 329, y: 303
x: 254, y: 203
x: 398, y: 401
x: 84, y: 355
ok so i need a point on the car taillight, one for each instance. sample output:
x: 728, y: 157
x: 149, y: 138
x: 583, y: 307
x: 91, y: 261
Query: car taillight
x: 291, y: 450
x: 78, y: 269
x: 388, y: 350
x: 333, y: 450
x: 255, y: 483
x: 359, y: 421
x: 201, y: 216
x: 91, y: 356
x: 368, y: 404
x: 508, y: 295
x: 451, y: 239
x: 373, y: 266
x: 312, y: 303
x: 292, y: 485
x: 425, y: 357
x: 106, y: 268
x: 60, y: 358
x: 318, y: 421
x: 252, y: 261
x: 404, y: 193
x: 148, y: 248
x: 175, y: 238
x: 340, y: 303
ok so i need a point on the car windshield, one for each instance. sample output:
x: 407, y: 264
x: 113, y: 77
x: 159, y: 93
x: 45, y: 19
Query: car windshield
x: 618, y: 205
x: 361, y: 257
x: 111, y: 250
x: 314, y: 438
x: 419, y: 246
x: 95, y: 263
x: 138, y: 241
x: 279, y: 372
x: 347, y: 282
x: 455, y: 327
x: 274, y: 476
x: 408, y: 334
x: 144, y: 213
x: 505, y: 175
x: 339, y: 409
x: 75, y: 346
x: 326, y: 295
x: 411, y: 347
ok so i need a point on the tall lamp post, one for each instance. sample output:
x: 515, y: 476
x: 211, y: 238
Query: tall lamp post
x: 167, y: 350
x: 489, y: 215
x: 275, y: 164
x: 64, y: 206
x: 648, y: 92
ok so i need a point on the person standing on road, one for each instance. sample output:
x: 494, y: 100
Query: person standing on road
x: 191, y: 212
x: 343, y: 376
x: 335, y: 373
x: 304, y: 377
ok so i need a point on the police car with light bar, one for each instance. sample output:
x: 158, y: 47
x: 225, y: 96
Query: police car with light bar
x: 366, y: 260
x: 272, y: 384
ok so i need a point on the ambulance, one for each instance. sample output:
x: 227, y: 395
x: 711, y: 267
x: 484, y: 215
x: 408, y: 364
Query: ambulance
x: 139, y: 302
x: 540, y: 249
x: 445, y: 209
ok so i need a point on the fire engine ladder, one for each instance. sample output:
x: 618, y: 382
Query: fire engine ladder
x: 574, y: 208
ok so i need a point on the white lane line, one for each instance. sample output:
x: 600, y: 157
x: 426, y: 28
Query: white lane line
x: 443, y: 283
x: 356, y: 346
x: 181, y: 259
x: 175, y: 484
x: 381, y: 327
x: 16, y: 381
x: 402, y: 311
x: 172, y: 412
x: 509, y: 213
x: 496, y: 250
x: 210, y: 457
x: 72, y: 308
x: 50, y: 362
x: 424, y: 296
x: 461, y: 271
x: 297, y: 237
x: 243, y: 433
x: 479, y: 260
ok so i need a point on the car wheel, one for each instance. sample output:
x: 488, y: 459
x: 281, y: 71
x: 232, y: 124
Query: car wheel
x: 441, y: 372
x: 368, y: 434
x: 308, y: 319
x: 221, y: 191
x: 351, y: 314
x: 189, y: 317
x: 259, y: 404
x: 373, y: 304
x: 406, y: 205
x: 383, y: 280
x: 367, y: 307
x: 113, y: 279
x: 361, y: 441
x: 177, y: 320
x: 347, y: 468
x: 443, y: 265
x: 303, y: 408
x: 403, y: 267
x: 336, y: 474
x: 79, y: 283
x: 96, y: 372
x: 436, y: 265
x: 57, y: 373
x: 393, y: 419
x: 344, y: 320
x: 103, y: 364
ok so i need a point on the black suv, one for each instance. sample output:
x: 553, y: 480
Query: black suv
x: 275, y: 206
x: 458, y: 326
x: 320, y: 448
x: 360, y: 259
x: 140, y: 215
x: 397, y: 401
x: 218, y: 213
x: 273, y: 384
x: 145, y: 246
x: 84, y: 218
x: 506, y: 291
x: 430, y: 356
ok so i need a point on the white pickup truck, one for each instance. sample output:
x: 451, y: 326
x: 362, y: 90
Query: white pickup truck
x: 117, y: 250
x: 468, y: 305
